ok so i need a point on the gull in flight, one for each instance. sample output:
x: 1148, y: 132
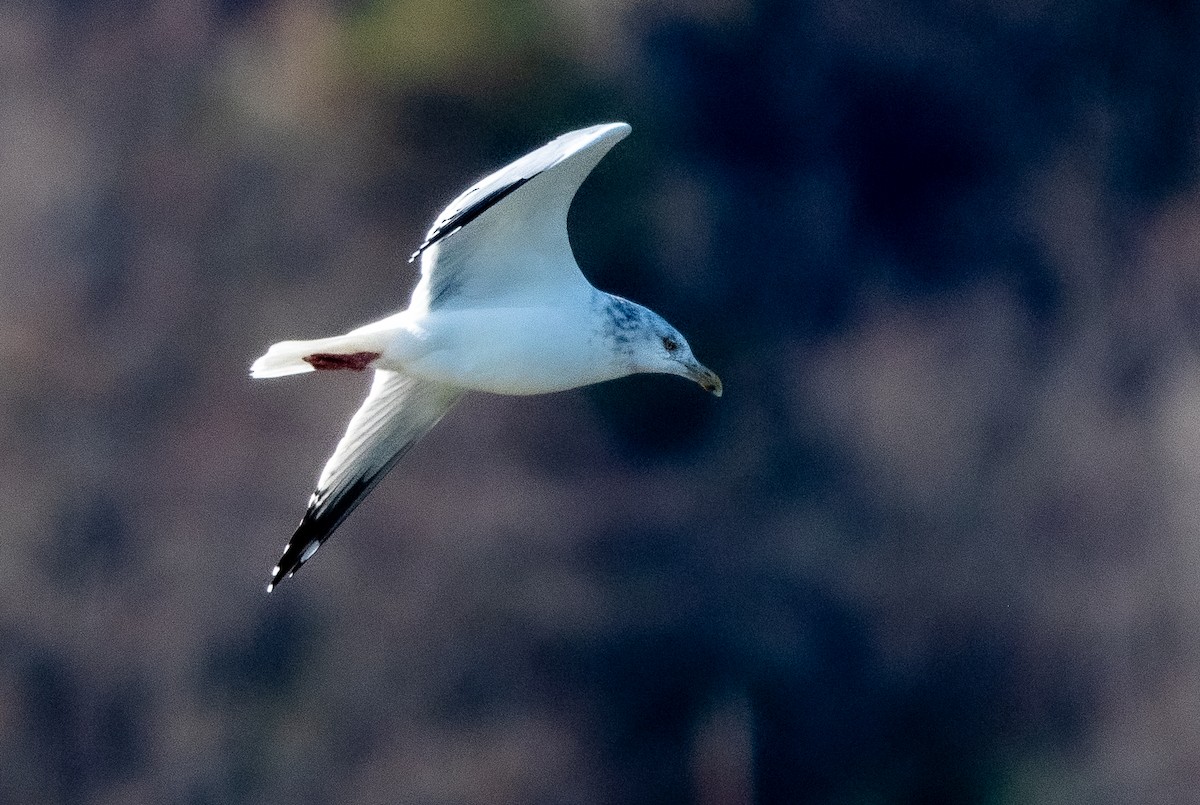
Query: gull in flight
x: 501, y: 307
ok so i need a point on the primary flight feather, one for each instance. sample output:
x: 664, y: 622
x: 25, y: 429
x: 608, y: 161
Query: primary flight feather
x: 501, y: 306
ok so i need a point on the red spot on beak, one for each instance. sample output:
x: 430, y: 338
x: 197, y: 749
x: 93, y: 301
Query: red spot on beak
x: 354, y: 361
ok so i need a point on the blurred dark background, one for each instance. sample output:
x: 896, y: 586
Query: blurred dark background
x: 937, y: 544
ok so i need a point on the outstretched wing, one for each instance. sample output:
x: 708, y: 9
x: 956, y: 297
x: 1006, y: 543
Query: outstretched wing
x: 506, y: 237
x: 398, y: 411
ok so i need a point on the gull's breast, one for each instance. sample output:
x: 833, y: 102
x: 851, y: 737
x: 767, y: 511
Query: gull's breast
x: 528, y: 350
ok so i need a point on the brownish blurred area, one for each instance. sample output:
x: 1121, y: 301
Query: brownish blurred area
x: 938, y: 543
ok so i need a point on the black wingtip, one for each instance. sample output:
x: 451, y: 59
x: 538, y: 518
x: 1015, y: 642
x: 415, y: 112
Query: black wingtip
x: 300, y: 548
x: 323, y: 517
x: 278, y: 574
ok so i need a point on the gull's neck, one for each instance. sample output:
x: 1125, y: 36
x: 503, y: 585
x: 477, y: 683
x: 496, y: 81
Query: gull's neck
x: 620, y: 327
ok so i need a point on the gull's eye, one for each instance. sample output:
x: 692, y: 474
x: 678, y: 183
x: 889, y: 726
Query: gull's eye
x: 670, y: 344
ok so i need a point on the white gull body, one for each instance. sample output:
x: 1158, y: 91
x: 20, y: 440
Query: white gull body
x: 501, y: 307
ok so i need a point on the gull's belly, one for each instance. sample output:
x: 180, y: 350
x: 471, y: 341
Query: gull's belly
x: 511, y: 351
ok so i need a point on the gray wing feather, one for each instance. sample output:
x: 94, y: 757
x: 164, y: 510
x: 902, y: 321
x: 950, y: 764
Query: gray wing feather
x: 398, y: 411
x: 507, y: 234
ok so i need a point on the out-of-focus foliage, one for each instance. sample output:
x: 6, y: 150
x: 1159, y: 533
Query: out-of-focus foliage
x: 937, y: 543
x: 445, y: 43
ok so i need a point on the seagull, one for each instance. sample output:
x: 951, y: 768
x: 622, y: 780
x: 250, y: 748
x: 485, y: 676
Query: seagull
x: 501, y: 307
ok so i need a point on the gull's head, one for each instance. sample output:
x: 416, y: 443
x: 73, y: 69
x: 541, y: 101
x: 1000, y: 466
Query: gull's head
x: 652, y: 345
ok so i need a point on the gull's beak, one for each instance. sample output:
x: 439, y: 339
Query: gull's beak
x: 706, y: 377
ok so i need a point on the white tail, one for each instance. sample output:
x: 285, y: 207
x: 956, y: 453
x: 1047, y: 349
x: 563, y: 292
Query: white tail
x: 286, y: 358
x: 350, y: 351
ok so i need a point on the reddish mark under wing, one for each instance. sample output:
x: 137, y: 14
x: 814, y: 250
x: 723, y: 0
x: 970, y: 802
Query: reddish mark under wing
x: 354, y: 361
